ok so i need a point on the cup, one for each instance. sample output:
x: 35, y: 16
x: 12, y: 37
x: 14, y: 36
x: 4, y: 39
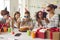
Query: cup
x: 28, y: 32
x: 33, y: 34
x: 9, y: 30
x: 5, y: 29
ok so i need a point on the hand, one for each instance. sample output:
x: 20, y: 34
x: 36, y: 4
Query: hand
x: 47, y: 28
x: 7, y: 21
x: 18, y: 20
x: 46, y: 19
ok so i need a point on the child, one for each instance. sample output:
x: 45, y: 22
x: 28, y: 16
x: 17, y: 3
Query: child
x: 39, y: 20
x: 27, y: 21
x: 52, y: 18
x: 16, y: 20
x: 5, y: 19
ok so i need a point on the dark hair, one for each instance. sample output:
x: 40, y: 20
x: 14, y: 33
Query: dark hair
x: 15, y: 15
x: 37, y: 15
x: 4, y: 12
x: 27, y: 12
x: 52, y: 6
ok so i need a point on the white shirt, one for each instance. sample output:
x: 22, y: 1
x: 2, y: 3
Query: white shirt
x: 36, y: 24
x: 53, y: 21
x: 15, y: 23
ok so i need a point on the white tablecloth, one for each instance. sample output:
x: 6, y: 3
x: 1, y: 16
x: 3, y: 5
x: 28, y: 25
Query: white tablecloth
x: 23, y: 36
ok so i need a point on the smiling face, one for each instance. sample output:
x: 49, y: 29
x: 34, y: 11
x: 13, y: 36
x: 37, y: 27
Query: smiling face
x: 40, y: 14
x: 6, y: 16
x: 26, y: 17
x: 17, y: 16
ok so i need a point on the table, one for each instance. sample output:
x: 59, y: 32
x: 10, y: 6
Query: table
x: 23, y: 36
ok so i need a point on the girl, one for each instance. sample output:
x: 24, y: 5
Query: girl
x: 39, y: 20
x: 16, y: 20
x: 52, y: 18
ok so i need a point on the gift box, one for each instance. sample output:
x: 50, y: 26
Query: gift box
x: 41, y: 33
x: 53, y: 34
x: 0, y: 26
x: 53, y: 30
x: 5, y: 25
x: 56, y: 35
x: 48, y: 34
x: 59, y: 29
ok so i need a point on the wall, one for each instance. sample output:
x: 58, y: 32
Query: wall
x: 13, y: 6
x: 36, y: 5
x: 17, y: 5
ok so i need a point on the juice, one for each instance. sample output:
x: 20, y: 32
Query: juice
x: 5, y: 29
x: 33, y: 34
x: 9, y: 29
x: 28, y: 32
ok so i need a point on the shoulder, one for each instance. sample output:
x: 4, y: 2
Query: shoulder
x: 56, y: 16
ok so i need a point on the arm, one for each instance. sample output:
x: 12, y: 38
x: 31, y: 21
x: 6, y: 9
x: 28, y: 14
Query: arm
x: 46, y: 20
x: 8, y: 22
x: 12, y: 23
x: 18, y: 23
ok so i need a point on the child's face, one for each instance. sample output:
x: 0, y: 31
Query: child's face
x: 26, y: 16
x: 40, y: 14
x: 17, y: 16
x: 6, y: 16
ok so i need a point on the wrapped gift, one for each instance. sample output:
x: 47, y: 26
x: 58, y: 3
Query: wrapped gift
x: 53, y: 33
x: 59, y: 28
x: 0, y: 30
x: 53, y: 30
x: 41, y: 33
x: 48, y: 34
x: 0, y: 26
x: 4, y: 25
x: 56, y: 35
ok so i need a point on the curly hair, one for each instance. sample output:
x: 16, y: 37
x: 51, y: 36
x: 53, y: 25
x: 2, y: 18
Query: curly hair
x: 37, y: 14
